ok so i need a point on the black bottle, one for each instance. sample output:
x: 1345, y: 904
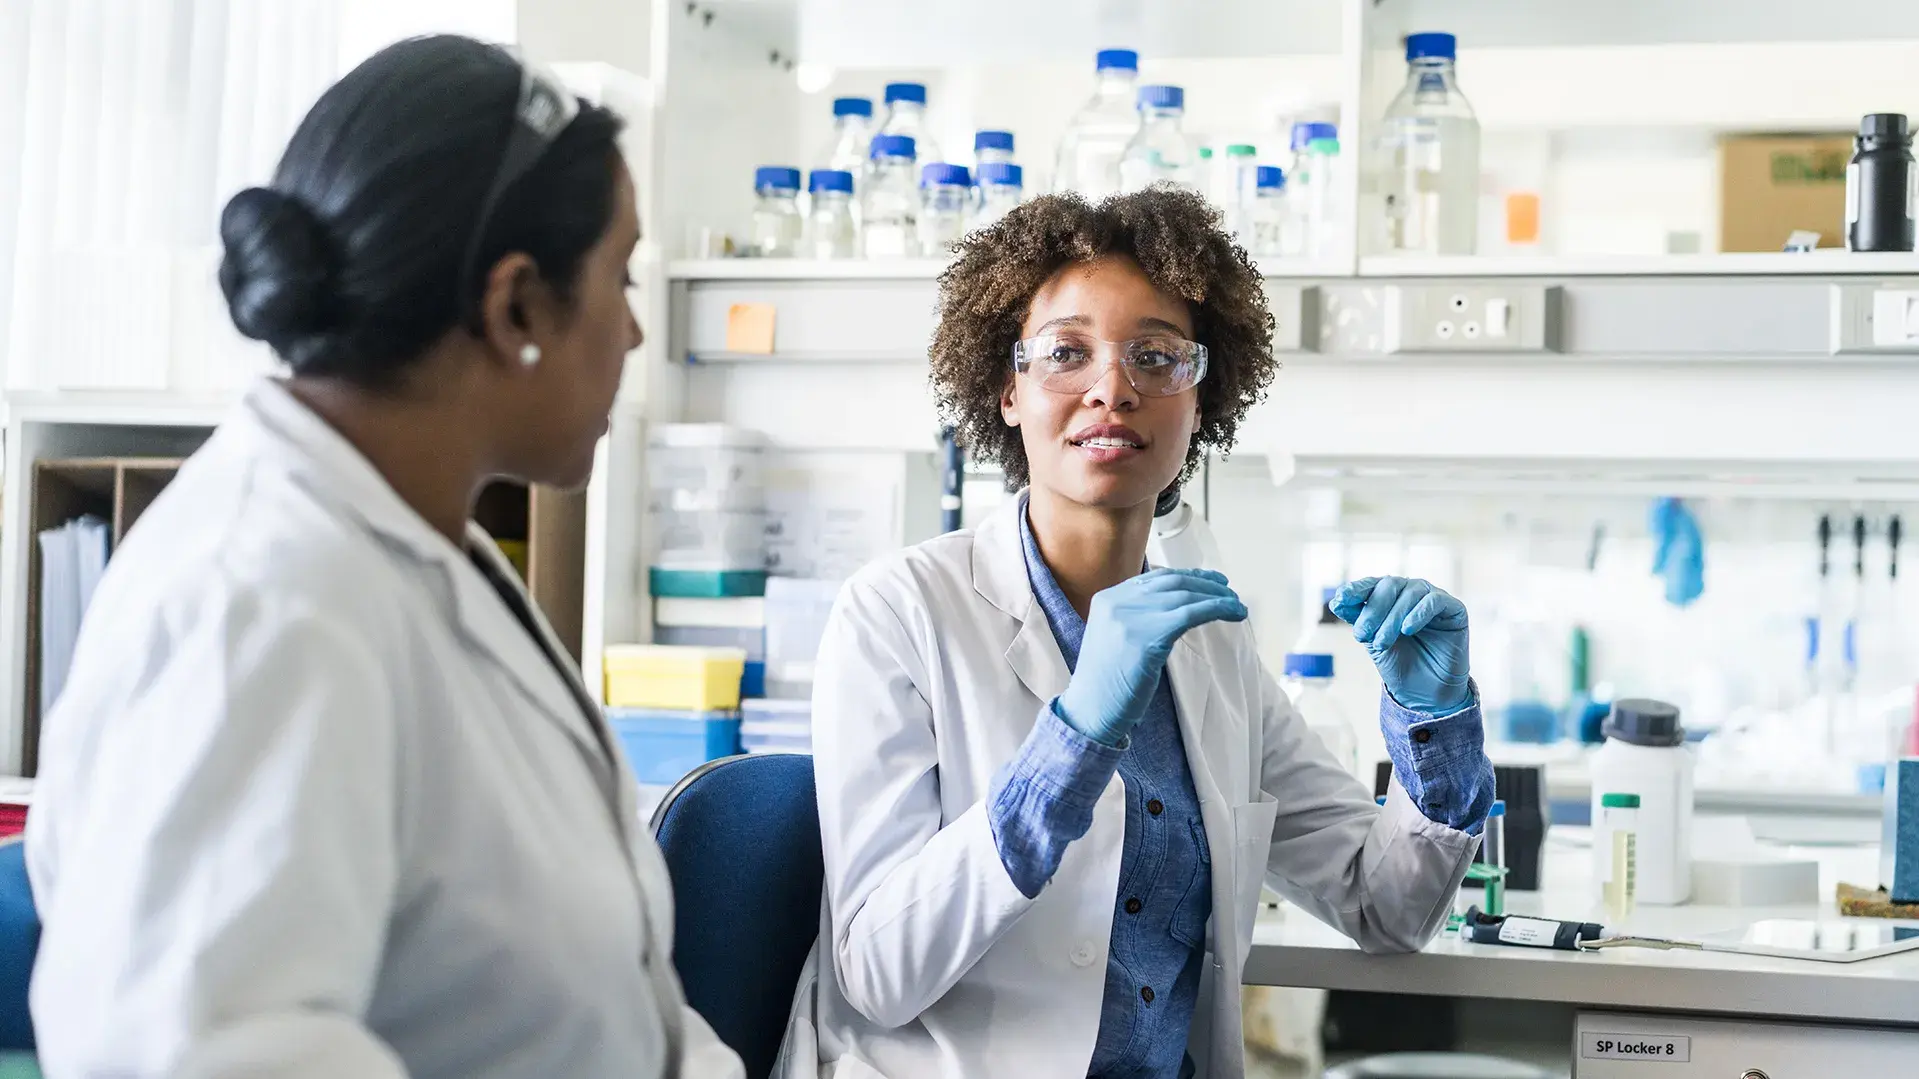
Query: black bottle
x: 1879, y: 185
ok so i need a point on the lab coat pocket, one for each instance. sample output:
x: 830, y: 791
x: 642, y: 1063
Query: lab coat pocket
x: 1252, y: 841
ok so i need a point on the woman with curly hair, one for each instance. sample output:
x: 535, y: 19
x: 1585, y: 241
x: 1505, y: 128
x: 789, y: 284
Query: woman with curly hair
x: 1052, y: 779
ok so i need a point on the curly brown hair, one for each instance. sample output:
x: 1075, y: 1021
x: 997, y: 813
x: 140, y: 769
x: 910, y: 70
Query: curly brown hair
x: 1178, y: 241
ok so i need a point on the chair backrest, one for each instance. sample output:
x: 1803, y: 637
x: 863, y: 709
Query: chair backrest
x: 741, y: 838
x: 19, y: 941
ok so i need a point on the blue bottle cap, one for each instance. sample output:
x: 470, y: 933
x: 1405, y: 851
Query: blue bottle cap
x: 1117, y: 60
x: 1431, y: 47
x: 830, y: 180
x: 993, y: 140
x: 1001, y: 172
x: 906, y: 91
x: 1304, y: 134
x: 1162, y: 97
x: 852, y: 106
x: 1498, y: 809
x: 778, y: 177
x: 1269, y: 177
x: 892, y: 146
x: 1308, y: 665
x: 939, y: 172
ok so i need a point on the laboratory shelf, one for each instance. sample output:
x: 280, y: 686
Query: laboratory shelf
x: 921, y: 269
x: 1827, y: 263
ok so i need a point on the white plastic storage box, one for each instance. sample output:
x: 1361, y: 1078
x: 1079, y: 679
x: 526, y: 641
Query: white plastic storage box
x: 661, y: 746
x: 705, y: 457
x: 775, y: 725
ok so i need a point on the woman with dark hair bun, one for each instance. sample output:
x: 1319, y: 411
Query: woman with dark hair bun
x: 324, y: 796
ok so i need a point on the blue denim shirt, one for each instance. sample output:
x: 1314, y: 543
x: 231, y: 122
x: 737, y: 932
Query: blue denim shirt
x: 1165, y: 895
x: 1043, y: 799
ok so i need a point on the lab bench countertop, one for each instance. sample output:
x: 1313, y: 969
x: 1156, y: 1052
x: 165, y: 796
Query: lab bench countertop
x: 1292, y: 948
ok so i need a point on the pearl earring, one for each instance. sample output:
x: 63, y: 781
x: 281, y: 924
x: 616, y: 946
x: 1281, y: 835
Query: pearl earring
x: 529, y: 354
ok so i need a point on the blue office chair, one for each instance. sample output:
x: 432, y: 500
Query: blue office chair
x: 19, y: 940
x: 741, y: 837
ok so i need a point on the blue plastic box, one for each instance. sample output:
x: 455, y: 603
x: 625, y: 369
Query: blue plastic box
x: 662, y: 746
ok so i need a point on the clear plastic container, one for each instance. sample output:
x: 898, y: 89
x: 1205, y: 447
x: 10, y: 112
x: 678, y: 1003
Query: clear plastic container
x: 830, y: 230
x: 1235, y: 186
x: 1096, y: 137
x: 1309, y: 683
x: 1266, y: 220
x: 704, y: 539
x: 1206, y: 176
x: 1425, y: 175
x: 777, y: 224
x: 1159, y: 151
x: 992, y: 146
x: 1617, y: 839
x: 946, y: 202
x: 890, y: 204
x: 851, y: 145
x: 906, y: 115
x: 1313, y: 228
x: 1000, y: 189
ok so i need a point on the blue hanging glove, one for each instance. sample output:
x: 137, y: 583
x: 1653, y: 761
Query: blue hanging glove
x: 1417, y: 637
x: 1130, y: 630
x: 1679, y: 551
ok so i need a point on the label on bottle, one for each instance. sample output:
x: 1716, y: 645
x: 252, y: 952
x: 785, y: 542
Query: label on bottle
x: 1530, y: 932
x: 1852, y: 200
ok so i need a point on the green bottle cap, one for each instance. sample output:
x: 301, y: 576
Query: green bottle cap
x: 1619, y: 801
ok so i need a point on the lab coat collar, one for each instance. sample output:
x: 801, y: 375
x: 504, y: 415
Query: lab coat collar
x: 999, y: 575
x: 321, y: 460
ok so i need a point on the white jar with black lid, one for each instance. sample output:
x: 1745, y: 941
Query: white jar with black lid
x: 1646, y: 754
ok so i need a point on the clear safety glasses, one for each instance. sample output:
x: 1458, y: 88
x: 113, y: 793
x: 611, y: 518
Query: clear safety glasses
x: 544, y: 108
x: 1157, y: 366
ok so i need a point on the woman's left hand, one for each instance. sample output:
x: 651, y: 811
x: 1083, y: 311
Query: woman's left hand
x: 1417, y: 636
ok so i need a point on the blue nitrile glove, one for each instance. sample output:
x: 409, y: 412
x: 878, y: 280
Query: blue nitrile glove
x: 1417, y: 637
x: 1130, y: 631
x: 1679, y: 551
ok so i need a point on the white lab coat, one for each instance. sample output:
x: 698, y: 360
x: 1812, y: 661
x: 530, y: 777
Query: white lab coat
x: 315, y: 804
x: 931, y: 963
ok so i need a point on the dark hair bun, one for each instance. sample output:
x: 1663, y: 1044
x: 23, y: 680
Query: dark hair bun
x: 278, y: 271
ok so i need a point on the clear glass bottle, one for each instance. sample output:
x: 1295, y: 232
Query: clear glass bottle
x: 1425, y: 175
x: 946, y: 201
x: 1206, y: 176
x: 890, y: 201
x: 851, y: 145
x: 777, y: 223
x: 1313, y: 230
x: 1266, y: 220
x: 1000, y: 188
x: 992, y: 146
x: 1236, y: 185
x: 1619, y: 836
x: 830, y: 230
x: 1096, y: 137
x: 906, y: 115
x: 1158, y: 150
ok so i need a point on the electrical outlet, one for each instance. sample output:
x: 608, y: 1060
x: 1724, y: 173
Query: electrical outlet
x: 1875, y: 317
x: 1472, y: 317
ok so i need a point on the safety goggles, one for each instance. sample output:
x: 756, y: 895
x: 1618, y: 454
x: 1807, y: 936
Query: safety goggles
x: 544, y: 108
x: 1156, y: 366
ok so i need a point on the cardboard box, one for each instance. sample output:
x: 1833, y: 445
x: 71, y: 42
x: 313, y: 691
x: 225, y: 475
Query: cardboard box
x: 1770, y: 185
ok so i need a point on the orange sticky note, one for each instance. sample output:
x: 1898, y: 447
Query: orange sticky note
x: 1522, y: 218
x: 749, y: 328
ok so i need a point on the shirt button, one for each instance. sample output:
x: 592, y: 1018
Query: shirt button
x: 1423, y: 735
x: 1083, y: 955
x: 1155, y: 807
x: 1146, y: 993
x: 1132, y: 905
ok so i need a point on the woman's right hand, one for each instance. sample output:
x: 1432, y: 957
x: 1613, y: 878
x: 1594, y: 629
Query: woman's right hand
x: 1130, y: 630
